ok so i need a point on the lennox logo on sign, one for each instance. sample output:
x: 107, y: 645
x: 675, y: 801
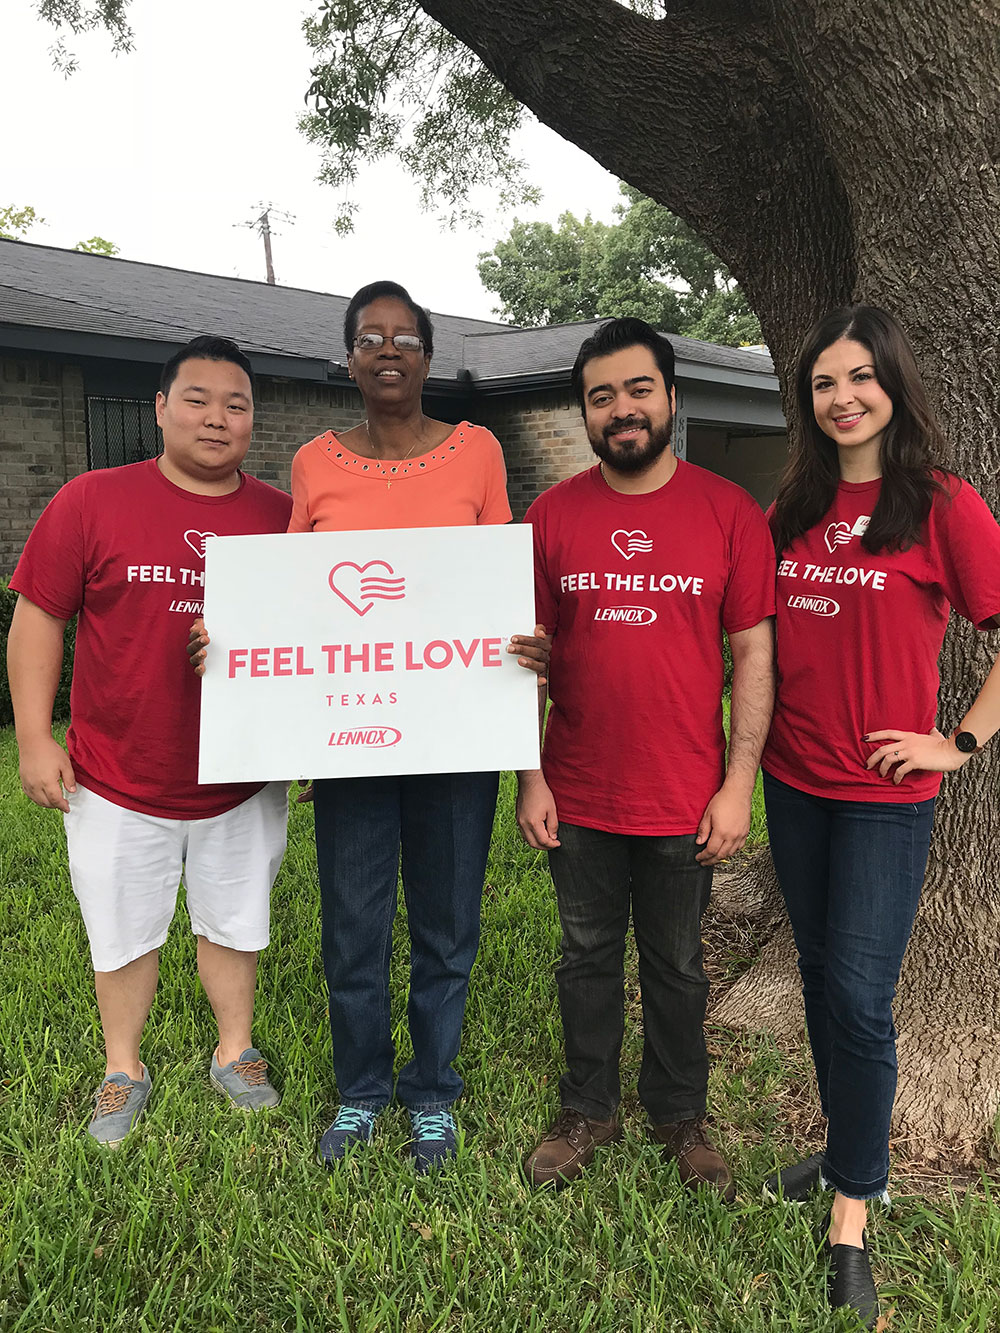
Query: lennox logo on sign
x: 360, y: 590
x: 369, y: 738
x: 626, y: 615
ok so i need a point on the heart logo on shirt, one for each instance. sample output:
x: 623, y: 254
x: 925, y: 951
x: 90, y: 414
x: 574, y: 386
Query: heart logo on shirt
x: 360, y: 590
x: 628, y: 544
x: 837, y: 534
x: 196, y: 540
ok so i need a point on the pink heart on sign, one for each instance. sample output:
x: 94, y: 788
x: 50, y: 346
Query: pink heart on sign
x: 196, y: 540
x: 349, y: 583
x: 629, y: 544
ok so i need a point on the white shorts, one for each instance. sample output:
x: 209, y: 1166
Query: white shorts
x: 126, y: 868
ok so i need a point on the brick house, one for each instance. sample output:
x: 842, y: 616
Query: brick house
x: 83, y: 337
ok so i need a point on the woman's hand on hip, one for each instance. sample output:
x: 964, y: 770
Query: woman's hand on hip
x: 910, y: 751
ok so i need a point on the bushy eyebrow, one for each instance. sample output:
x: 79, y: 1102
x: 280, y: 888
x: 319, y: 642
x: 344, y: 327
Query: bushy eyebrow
x: 607, y: 388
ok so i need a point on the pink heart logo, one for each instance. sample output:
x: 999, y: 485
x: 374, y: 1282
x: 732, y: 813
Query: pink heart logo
x: 196, y: 540
x: 361, y: 590
x: 629, y: 544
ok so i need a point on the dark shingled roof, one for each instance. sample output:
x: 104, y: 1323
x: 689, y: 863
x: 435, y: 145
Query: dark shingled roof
x: 64, y: 290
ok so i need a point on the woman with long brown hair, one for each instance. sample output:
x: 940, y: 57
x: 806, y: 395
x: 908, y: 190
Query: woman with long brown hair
x: 876, y: 543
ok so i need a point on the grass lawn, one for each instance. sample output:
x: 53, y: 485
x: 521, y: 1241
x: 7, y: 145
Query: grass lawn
x: 207, y: 1220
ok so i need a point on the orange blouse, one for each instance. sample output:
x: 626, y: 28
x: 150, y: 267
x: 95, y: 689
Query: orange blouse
x: 461, y: 482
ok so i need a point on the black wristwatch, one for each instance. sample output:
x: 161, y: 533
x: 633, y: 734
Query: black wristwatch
x: 965, y: 741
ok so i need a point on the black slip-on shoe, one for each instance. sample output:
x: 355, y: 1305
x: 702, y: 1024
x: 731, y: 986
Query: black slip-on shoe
x: 850, y: 1284
x: 795, y: 1183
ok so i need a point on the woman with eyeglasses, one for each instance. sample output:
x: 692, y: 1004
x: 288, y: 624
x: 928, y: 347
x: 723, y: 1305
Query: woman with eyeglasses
x: 400, y: 469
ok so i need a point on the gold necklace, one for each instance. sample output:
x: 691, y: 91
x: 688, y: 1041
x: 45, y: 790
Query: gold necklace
x: 380, y: 459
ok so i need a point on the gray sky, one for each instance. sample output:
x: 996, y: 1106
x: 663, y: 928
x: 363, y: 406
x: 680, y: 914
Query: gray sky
x: 163, y: 150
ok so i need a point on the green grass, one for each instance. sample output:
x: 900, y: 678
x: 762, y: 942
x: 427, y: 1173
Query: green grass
x: 207, y: 1220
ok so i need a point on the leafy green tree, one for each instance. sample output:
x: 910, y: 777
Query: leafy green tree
x: 15, y: 223
x: 587, y: 269
x: 97, y: 245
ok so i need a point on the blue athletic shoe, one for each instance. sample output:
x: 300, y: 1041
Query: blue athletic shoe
x: 434, y: 1137
x: 351, y: 1126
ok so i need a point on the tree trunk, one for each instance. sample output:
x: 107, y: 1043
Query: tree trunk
x: 829, y: 153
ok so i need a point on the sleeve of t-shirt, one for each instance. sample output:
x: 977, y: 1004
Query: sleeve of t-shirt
x: 546, y: 606
x: 970, y: 556
x: 300, y: 520
x: 750, y: 589
x: 496, y: 507
x: 52, y: 570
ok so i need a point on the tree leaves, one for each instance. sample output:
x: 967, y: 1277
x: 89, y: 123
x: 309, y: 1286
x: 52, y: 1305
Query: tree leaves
x: 649, y: 264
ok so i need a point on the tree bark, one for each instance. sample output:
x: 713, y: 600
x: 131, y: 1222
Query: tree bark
x: 829, y: 153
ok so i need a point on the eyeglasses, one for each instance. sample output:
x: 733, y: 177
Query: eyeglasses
x: 403, y: 342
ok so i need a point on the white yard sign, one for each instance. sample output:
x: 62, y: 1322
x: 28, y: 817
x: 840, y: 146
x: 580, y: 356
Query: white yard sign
x: 345, y: 654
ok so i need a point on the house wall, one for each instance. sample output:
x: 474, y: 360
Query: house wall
x: 289, y: 413
x: 754, y: 462
x: 43, y: 443
x: 543, y: 441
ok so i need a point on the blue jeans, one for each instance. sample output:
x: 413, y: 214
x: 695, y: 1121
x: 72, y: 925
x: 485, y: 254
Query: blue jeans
x: 851, y: 874
x: 600, y: 879
x: 442, y: 823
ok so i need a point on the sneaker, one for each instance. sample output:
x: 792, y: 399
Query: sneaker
x: 568, y: 1148
x: 244, y: 1081
x: 434, y: 1137
x: 699, y: 1162
x: 352, y: 1125
x: 795, y: 1183
x: 118, y: 1104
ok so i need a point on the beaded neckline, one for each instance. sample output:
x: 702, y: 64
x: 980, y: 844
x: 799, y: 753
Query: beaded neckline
x: 389, y: 469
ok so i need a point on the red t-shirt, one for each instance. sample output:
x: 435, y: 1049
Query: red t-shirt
x: 638, y: 589
x: 859, y: 637
x: 124, y: 549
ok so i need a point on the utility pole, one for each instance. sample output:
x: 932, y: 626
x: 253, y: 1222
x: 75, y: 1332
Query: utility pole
x: 262, y: 224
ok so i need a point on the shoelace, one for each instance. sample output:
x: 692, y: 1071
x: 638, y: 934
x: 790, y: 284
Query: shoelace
x: 354, y: 1120
x: 112, y: 1097
x: 432, y: 1124
x: 253, y: 1072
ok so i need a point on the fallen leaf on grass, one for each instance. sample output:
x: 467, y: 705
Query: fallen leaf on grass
x: 884, y: 1320
x: 425, y: 1231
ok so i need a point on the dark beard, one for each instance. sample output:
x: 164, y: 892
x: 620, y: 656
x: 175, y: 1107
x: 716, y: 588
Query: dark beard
x: 631, y: 458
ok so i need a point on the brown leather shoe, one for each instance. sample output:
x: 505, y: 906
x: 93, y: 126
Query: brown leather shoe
x: 698, y: 1160
x: 568, y: 1148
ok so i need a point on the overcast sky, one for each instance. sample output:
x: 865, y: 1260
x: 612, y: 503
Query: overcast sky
x: 165, y: 150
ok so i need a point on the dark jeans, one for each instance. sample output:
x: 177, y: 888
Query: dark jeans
x: 851, y: 874
x: 598, y: 877
x: 442, y: 822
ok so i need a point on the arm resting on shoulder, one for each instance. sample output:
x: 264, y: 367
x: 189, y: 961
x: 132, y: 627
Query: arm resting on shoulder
x: 34, y: 664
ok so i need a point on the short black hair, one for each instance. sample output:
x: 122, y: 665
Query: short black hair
x: 206, y: 347
x: 615, y: 336
x: 373, y: 292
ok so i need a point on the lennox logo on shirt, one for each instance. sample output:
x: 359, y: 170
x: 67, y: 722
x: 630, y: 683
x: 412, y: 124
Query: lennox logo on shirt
x: 819, y: 606
x: 626, y: 615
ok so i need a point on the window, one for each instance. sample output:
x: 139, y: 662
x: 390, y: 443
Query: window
x: 121, y: 430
